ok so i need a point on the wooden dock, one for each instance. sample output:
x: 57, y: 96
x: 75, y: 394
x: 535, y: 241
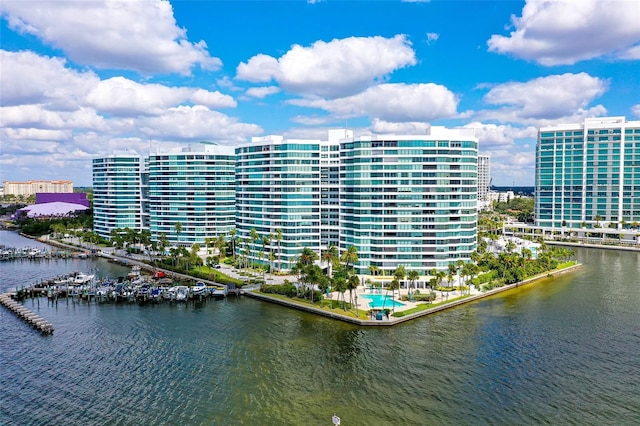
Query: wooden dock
x: 44, y: 326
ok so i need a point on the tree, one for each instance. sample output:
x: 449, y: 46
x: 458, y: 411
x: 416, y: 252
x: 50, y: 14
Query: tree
x: 393, y: 286
x: 350, y: 256
x: 163, y: 242
x: 352, y: 283
x: 374, y: 269
x: 279, y: 240
x: 266, y: 240
x: 178, y: 229
x: 220, y: 243
x: 452, y: 269
x: 331, y: 256
x: 233, y: 235
x: 400, y: 273
x: 254, y: 240
x: 412, y: 276
x: 340, y: 286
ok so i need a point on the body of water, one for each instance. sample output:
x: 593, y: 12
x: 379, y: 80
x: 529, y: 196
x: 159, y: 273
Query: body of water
x: 562, y: 351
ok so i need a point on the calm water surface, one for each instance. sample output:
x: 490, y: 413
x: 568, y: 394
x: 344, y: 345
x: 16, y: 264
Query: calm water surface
x: 562, y: 351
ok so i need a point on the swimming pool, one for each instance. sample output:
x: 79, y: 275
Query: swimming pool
x: 381, y: 301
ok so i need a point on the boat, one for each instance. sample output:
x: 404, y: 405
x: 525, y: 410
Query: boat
x: 182, y: 293
x: 81, y: 278
x: 200, y: 289
x: 135, y: 272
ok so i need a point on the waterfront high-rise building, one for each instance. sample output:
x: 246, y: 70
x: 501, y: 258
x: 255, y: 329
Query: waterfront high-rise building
x: 33, y: 187
x: 484, y: 179
x: 409, y: 200
x: 117, y: 193
x: 588, y: 174
x: 191, y: 194
x: 287, y: 191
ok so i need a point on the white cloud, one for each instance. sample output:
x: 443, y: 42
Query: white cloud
x: 27, y: 78
x: 213, y: 99
x: 545, y: 99
x: 432, y: 37
x: 565, y: 31
x: 35, y: 134
x: 195, y: 123
x: 408, y: 128
x: 635, y: 110
x: 262, y: 92
x: 492, y: 136
x: 137, y: 35
x: 36, y: 116
x: 334, y: 69
x: 121, y: 96
x: 391, y: 102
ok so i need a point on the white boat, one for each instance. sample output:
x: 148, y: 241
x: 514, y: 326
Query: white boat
x: 200, y: 289
x: 82, y: 278
x: 135, y: 272
x: 182, y: 293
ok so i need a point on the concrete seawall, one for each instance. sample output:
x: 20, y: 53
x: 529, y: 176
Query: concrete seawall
x: 397, y: 320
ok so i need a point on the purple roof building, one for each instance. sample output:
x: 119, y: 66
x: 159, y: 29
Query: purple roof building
x: 70, y: 197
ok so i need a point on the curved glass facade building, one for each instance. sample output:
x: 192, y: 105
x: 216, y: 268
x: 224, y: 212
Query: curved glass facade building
x: 409, y: 200
x: 196, y: 188
x: 117, y: 193
x: 588, y: 174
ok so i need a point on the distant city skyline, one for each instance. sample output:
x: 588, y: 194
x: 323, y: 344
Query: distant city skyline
x: 80, y: 80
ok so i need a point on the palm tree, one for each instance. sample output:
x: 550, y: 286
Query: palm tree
x: 412, y: 276
x: 272, y: 257
x: 340, y: 285
x: 266, y: 240
x: 352, y: 283
x: 279, y: 240
x: 374, y: 270
x: 233, y: 235
x: 350, y: 256
x: 400, y: 273
x: 451, y: 272
x: 221, y: 244
x: 394, y: 285
x: 330, y: 256
x: 178, y: 228
x: 254, y: 239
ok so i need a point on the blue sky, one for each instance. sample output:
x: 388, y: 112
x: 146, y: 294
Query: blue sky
x: 82, y: 79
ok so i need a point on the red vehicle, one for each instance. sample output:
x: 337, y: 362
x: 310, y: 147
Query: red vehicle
x: 159, y: 274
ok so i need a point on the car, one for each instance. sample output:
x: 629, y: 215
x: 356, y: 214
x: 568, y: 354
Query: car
x: 218, y: 266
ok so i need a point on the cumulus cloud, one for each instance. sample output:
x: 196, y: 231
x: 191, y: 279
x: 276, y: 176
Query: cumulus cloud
x: 391, y: 102
x: 492, y: 136
x: 137, y: 35
x: 407, y: 128
x: 213, y: 99
x: 262, y: 92
x: 38, y: 117
x: 195, y: 123
x: 27, y: 78
x: 331, y: 69
x: 555, y: 32
x: 545, y: 99
x: 121, y: 96
x: 635, y: 110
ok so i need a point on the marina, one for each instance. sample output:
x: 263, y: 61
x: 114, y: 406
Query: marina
x: 526, y: 356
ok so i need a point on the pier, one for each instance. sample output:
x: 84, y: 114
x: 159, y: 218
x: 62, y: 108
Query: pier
x: 8, y: 301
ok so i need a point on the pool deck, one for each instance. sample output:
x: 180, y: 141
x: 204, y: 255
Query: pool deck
x: 362, y: 303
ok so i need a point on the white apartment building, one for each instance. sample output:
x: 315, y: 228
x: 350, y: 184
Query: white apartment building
x: 33, y: 187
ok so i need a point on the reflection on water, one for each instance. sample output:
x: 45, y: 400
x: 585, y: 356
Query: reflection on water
x: 563, y: 351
